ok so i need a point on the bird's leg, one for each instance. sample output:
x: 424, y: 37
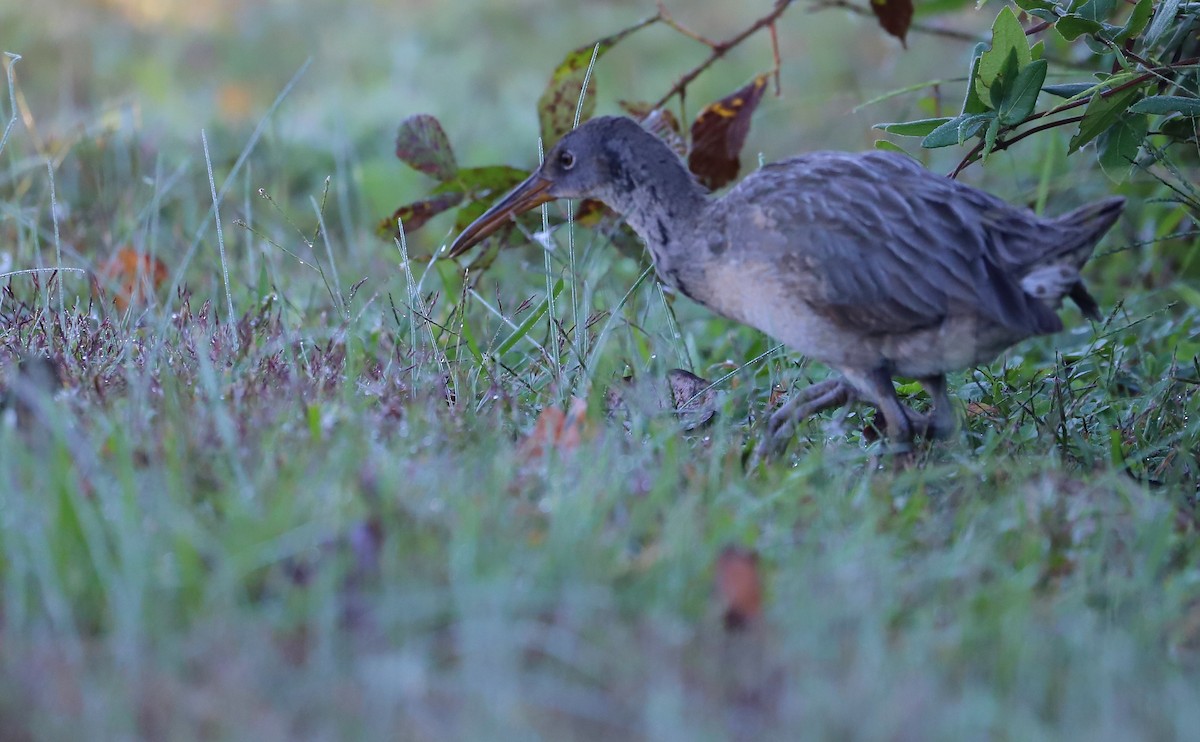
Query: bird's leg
x: 941, y: 422
x: 808, y: 401
x: 876, y: 386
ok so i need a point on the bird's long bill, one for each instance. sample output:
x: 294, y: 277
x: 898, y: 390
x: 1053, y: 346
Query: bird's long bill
x: 533, y: 192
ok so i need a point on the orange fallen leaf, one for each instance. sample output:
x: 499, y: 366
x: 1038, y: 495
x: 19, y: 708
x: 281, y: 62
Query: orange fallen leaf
x: 739, y: 587
x: 778, y: 395
x: 977, y: 409
x: 556, y: 430
x: 132, y: 276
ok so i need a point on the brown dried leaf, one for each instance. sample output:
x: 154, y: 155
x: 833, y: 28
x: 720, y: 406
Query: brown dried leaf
x: 719, y: 133
x: 694, y: 398
x: 894, y: 16
x: 777, y: 397
x: 423, y: 145
x: 739, y: 587
x: 415, y: 215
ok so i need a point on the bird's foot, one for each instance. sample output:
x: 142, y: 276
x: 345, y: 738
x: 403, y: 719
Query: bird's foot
x: 934, y: 425
x: 930, y: 426
x: 807, y: 402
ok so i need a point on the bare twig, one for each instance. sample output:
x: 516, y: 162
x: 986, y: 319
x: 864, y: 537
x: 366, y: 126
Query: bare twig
x: 719, y: 49
x: 665, y: 17
x: 949, y: 33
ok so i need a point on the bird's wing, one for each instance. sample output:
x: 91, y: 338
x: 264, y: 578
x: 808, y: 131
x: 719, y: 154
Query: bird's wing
x: 879, y: 244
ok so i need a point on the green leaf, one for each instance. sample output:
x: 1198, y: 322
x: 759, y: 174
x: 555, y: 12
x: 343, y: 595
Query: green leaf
x: 888, y: 146
x: 484, y: 182
x: 469, y: 339
x: 1137, y: 21
x: 423, y: 145
x: 527, y: 325
x: 1163, y: 104
x: 1164, y: 17
x: 1069, y: 89
x: 973, y: 103
x: 1008, y: 37
x: 1101, y: 113
x: 989, y: 137
x: 940, y: 7
x: 561, y: 98
x: 1003, y: 83
x: 1072, y: 27
x: 918, y: 128
x: 957, y: 130
x: 1095, y: 10
x: 1119, y: 146
x: 1022, y: 96
x: 1181, y: 128
x: 1031, y: 5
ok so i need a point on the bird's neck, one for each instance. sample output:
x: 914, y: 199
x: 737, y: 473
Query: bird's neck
x: 653, y: 190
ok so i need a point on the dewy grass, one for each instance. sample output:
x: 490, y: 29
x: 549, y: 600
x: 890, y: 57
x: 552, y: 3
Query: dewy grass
x: 344, y: 527
x: 216, y: 208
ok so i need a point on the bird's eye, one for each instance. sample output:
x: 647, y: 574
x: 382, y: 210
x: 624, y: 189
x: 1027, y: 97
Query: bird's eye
x: 566, y: 160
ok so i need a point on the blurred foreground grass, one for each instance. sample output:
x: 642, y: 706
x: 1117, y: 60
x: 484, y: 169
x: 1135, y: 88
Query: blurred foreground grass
x: 325, y: 518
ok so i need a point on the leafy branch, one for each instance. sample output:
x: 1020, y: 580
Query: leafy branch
x: 977, y: 151
x: 1007, y: 77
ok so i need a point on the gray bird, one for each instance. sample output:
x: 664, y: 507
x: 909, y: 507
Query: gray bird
x: 866, y: 262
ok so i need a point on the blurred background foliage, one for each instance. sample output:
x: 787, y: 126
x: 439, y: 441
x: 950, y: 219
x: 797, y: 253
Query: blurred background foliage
x: 171, y: 67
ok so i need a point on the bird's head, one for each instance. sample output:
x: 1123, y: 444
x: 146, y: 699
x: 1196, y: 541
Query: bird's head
x: 586, y: 163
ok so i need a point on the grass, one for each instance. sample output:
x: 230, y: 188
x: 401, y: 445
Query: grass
x: 288, y: 509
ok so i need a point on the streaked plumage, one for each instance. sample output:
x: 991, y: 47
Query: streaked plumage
x: 866, y: 262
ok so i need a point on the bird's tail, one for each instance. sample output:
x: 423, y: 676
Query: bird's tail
x: 1091, y: 221
x: 1082, y: 229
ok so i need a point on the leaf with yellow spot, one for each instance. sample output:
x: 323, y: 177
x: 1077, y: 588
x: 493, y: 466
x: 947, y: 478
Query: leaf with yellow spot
x: 719, y: 133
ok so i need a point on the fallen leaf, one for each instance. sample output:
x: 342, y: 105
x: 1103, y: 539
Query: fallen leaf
x: 555, y: 430
x: 777, y: 397
x: 739, y: 587
x: 133, y: 277
x: 979, y: 409
x: 694, y: 398
x: 719, y: 132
